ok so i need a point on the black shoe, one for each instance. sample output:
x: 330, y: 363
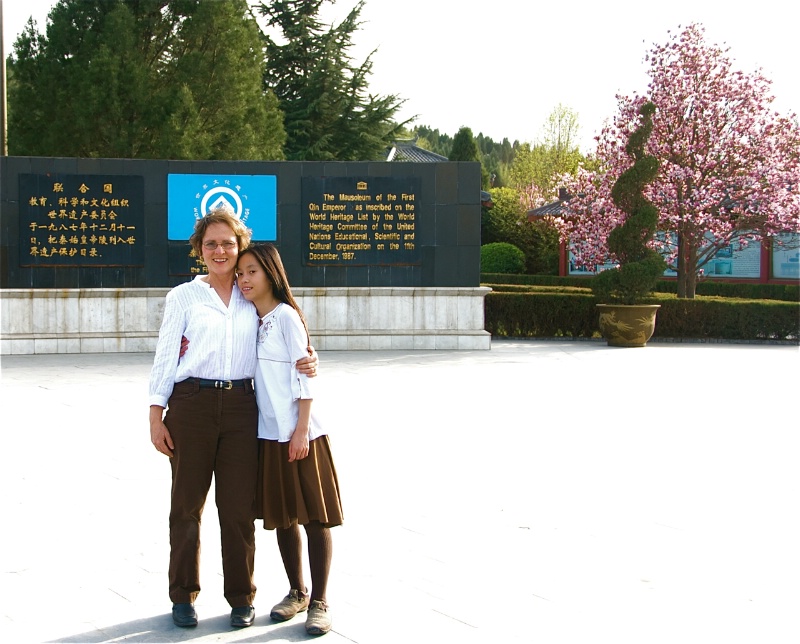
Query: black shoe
x: 243, y: 616
x: 184, y: 615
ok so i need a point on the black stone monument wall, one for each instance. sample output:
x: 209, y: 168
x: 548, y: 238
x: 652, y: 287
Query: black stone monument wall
x: 402, y: 224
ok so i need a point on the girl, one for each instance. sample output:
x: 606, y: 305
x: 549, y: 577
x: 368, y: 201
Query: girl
x: 297, y: 478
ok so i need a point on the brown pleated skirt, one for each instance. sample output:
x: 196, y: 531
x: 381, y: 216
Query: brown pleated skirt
x: 298, y: 492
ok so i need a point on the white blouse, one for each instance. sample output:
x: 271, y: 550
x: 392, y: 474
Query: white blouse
x: 221, y: 338
x: 279, y: 385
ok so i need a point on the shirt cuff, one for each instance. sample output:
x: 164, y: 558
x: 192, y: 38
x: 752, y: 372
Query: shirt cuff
x: 159, y: 401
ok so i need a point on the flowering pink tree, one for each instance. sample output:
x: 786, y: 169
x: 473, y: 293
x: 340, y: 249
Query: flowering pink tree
x: 531, y: 197
x: 729, y: 167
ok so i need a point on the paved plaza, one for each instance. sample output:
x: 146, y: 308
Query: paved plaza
x: 543, y: 491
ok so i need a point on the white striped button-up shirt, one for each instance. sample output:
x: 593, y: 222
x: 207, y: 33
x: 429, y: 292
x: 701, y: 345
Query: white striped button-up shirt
x: 222, y: 339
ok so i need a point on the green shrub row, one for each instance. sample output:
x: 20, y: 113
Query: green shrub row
x: 748, y: 290
x: 540, y: 314
x: 550, y: 313
x: 535, y: 280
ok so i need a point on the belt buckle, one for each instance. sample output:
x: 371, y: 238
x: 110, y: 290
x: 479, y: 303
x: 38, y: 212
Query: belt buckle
x: 223, y: 384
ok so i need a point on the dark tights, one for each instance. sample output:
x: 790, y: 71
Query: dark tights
x: 320, y: 551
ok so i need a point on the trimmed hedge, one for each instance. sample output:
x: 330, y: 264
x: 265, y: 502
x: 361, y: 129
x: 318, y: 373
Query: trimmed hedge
x: 535, y: 280
x: 554, y: 313
x: 747, y: 290
x: 540, y: 315
x: 728, y: 319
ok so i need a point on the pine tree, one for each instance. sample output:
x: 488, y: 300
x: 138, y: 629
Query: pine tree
x: 464, y: 146
x: 329, y: 112
x: 143, y: 79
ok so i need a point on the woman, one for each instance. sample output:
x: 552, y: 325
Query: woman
x: 297, y: 482
x: 211, y: 421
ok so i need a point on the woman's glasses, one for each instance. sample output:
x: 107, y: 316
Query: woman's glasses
x: 212, y: 245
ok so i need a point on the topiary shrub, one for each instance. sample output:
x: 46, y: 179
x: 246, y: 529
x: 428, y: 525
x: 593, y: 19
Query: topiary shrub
x: 501, y: 257
x: 640, y: 267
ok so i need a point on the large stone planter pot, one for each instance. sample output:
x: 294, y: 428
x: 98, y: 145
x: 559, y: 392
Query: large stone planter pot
x: 627, y: 325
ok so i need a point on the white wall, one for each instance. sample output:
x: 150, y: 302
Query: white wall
x: 127, y: 320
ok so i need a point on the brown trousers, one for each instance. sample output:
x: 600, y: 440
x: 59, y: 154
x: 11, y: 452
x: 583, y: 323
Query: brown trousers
x: 215, y: 432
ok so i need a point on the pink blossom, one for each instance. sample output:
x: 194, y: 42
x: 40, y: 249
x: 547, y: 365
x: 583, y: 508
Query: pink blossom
x: 729, y: 166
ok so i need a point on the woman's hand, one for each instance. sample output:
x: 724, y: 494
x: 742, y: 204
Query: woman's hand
x: 308, y: 366
x: 159, y: 434
x: 298, y: 445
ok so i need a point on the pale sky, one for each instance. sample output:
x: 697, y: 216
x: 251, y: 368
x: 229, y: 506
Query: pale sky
x: 501, y: 67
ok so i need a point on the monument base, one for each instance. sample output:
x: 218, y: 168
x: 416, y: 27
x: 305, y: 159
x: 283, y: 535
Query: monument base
x: 104, y: 320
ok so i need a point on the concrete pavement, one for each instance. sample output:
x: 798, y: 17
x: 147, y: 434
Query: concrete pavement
x: 513, y: 495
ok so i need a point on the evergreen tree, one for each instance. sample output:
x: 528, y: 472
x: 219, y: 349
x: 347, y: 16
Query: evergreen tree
x: 464, y: 146
x: 640, y: 266
x: 329, y: 113
x: 436, y: 141
x: 143, y: 79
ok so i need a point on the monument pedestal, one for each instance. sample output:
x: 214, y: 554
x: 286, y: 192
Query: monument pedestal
x: 110, y: 320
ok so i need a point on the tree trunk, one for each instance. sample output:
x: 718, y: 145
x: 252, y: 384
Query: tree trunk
x: 687, y: 272
x: 691, y: 272
x: 681, y: 268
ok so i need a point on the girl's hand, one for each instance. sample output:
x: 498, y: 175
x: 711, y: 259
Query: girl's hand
x: 298, y: 445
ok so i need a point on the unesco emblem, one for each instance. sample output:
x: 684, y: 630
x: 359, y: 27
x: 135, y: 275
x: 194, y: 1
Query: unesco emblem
x: 253, y: 199
x: 221, y: 194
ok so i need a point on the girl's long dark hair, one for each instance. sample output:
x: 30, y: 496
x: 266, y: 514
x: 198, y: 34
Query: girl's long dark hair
x: 270, y: 260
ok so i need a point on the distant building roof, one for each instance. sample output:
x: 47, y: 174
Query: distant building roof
x: 548, y: 210
x: 554, y: 209
x: 408, y: 151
